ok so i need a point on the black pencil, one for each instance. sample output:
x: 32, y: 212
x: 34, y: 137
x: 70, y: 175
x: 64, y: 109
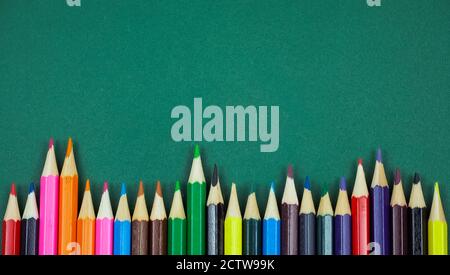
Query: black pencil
x: 216, y: 216
x: 399, y: 218
x: 417, y: 219
x: 30, y: 225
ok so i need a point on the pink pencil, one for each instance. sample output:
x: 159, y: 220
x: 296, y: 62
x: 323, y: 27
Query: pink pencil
x: 48, y: 214
x: 104, y: 225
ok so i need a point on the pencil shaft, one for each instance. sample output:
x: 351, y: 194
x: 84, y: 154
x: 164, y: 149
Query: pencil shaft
x: 342, y: 235
x: 360, y: 225
x: 122, y: 237
x: 325, y: 235
x: 307, y: 234
x: 11, y: 237
x: 104, y: 236
x: 418, y: 231
x: 48, y: 214
x: 399, y: 230
x: 68, y: 207
x: 158, y: 237
x: 216, y: 216
x: 30, y: 236
x: 381, y: 219
x: 176, y: 236
x: 251, y: 237
x: 233, y: 236
x: 289, y: 229
x: 437, y: 238
x: 139, y: 236
x: 196, y: 201
x: 86, y: 236
x: 271, y: 237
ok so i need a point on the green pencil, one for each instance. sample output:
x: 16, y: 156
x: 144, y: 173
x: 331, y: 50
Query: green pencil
x: 252, y: 227
x: 196, y: 203
x: 325, y: 224
x: 177, y: 225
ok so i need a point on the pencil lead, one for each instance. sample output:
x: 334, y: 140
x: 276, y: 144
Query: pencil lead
x: 307, y: 184
x: 379, y: 156
x: 290, y: 173
x: 272, y: 186
x: 13, y: 189
x: 50, y: 143
x: 158, y: 188
x: 141, y: 189
x: 196, y: 151
x: 436, y: 189
x: 416, y: 178
x: 31, y: 189
x: 69, y: 147
x: 123, y: 189
x: 397, y: 177
x: 105, y: 186
x: 343, y: 184
x: 177, y: 185
x: 360, y: 161
x: 88, y: 186
x: 215, y: 177
x: 324, y: 189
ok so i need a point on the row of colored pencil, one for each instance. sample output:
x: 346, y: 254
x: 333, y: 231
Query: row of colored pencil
x: 373, y: 223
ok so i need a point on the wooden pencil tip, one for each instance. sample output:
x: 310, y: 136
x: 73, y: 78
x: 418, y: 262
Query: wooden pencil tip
x: 69, y: 147
x: 196, y: 151
x: 105, y: 186
x: 50, y: 143
x: 88, y: 186
x: 13, y: 189
x: 397, y: 176
x: 290, y: 172
x: 141, y: 189
x: 158, y: 188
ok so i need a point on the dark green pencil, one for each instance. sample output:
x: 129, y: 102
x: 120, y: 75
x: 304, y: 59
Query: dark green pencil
x: 251, y: 227
x: 325, y: 225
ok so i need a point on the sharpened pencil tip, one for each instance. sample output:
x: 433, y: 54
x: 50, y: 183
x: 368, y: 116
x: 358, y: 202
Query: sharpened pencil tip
x: 307, y: 184
x: 88, y: 186
x: 272, y: 186
x: 13, y: 189
x: 360, y: 161
x: 141, y: 189
x: 196, y: 151
x: 379, y: 156
x: 397, y: 176
x: 290, y: 173
x: 436, y: 188
x: 177, y: 185
x: 416, y: 178
x: 105, y: 186
x: 123, y: 189
x: 69, y: 147
x: 50, y: 143
x: 343, y: 184
x: 158, y: 188
x: 31, y: 189
x: 215, y: 177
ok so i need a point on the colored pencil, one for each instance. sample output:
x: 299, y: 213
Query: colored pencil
x: 399, y: 217
x: 289, y: 217
x: 307, y: 222
x: 271, y: 225
x: 86, y: 223
x: 360, y: 213
x: 49, y: 203
x: 417, y: 219
x: 158, y: 224
x: 177, y: 225
x: 437, y: 226
x: 139, y: 225
x: 379, y: 204
x: 122, y: 225
x: 196, y: 201
x: 325, y: 225
x: 216, y: 216
x: 342, y: 222
x: 30, y: 225
x: 11, y: 225
x: 251, y: 227
x: 233, y: 225
x: 68, y: 204
x: 104, y: 225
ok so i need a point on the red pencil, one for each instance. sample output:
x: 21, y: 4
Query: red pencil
x: 11, y: 226
x: 360, y: 213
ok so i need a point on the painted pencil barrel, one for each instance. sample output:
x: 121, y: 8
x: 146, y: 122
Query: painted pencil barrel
x: 176, y: 237
x: 307, y: 234
x: 48, y: 215
x: 216, y: 214
x: 233, y: 236
x: 380, y: 233
x: 325, y: 235
x: 11, y: 237
x: 360, y: 225
x: 68, y: 206
x: 86, y: 236
x: 437, y: 238
x: 289, y: 229
x: 196, y: 201
x: 158, y: 237
x: 399, y: 230
x: 139, y: 236
x: 342, y: 235
x: 251, y: 237
x: 418, y: 232
x: 271, y: 237
x: 30, y: 236
x: 104, y: 240
x: 122, y: 237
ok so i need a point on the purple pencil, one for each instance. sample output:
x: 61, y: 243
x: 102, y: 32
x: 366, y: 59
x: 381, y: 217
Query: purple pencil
x: 380, y: 206
x: 342, y: 222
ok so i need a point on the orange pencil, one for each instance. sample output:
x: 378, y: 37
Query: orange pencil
x: 68, y: 205
x: 86, y: 224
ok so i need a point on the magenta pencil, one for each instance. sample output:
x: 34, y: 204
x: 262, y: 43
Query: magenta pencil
x: 49, y: 200
x: 104, y: 225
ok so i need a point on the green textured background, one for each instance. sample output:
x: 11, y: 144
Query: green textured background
x: 347, y: 78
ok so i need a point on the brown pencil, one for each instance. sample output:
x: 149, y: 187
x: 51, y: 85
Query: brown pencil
x: 158, y: 224
x: 139, y: 225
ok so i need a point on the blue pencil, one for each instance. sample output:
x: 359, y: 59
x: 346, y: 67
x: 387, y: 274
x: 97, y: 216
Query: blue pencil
x: 271, y: 226
x: 307, y: 222
x: 342, y: 222
x: 122, y: 225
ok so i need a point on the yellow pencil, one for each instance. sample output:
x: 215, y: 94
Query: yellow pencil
x: 437, y: 226
x: 233, y: 225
